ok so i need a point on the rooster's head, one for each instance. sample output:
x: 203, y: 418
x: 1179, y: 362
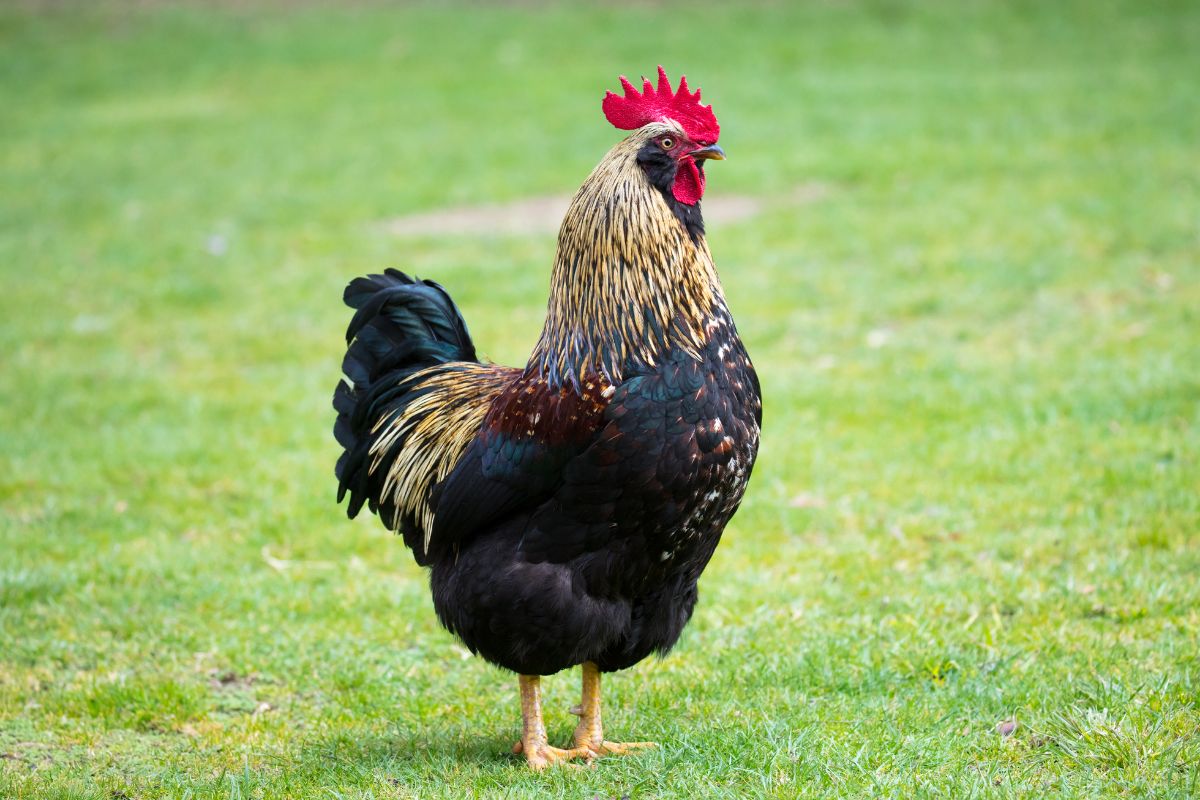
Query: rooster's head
x: 679, y: 134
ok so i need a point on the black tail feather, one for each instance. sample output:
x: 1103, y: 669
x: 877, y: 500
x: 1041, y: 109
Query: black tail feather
x: 401, y: 325
x: 405, y: 308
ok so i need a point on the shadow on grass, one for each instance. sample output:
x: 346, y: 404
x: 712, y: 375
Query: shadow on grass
x: 438, y: 750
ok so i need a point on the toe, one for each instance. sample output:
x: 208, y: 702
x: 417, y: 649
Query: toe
x: 622, y: 748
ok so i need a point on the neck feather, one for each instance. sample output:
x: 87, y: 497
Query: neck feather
x: 629, y: 282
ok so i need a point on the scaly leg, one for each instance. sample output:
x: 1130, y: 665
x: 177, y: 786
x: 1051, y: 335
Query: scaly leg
x: 589, y: 734
x: 533, y: 742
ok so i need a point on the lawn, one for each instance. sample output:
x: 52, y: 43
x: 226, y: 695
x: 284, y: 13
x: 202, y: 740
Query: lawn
x: 967, y: 563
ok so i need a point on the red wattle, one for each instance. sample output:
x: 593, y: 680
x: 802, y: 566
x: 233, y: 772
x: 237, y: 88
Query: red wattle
x: 689, y: 182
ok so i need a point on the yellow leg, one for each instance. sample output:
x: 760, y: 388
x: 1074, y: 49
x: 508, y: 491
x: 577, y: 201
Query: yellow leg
x: 589, y: 734
x: 533, y: 742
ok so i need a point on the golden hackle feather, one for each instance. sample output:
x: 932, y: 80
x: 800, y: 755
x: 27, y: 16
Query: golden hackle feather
x: 628, y: 281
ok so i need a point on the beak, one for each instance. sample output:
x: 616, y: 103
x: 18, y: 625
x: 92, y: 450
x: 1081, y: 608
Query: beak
x: 712, y: 151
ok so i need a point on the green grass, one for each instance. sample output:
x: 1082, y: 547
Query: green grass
x: 978, y: 498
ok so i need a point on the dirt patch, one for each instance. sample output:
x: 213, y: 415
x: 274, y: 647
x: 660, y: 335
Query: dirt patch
x: 542, y: 215
x: 228, y: 679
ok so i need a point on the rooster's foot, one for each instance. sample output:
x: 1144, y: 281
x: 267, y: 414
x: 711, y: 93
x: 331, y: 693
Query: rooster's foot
x: 541, y: 755
x: 589, y: 734
x: 533, y: 744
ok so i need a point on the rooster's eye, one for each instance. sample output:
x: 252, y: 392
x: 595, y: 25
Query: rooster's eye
x: 666, y: 143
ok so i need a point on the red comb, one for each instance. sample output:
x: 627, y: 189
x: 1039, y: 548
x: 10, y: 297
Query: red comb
x: 654, y: 105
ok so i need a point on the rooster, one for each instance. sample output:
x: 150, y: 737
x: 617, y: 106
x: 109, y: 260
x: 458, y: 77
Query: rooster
x: 567, y: 508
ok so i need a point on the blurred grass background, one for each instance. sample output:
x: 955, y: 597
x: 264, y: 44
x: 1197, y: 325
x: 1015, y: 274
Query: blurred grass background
x: 967, y: 562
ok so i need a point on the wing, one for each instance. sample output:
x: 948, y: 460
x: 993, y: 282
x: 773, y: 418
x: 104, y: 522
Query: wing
x: 516, y: 462
x: 625, y: 469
